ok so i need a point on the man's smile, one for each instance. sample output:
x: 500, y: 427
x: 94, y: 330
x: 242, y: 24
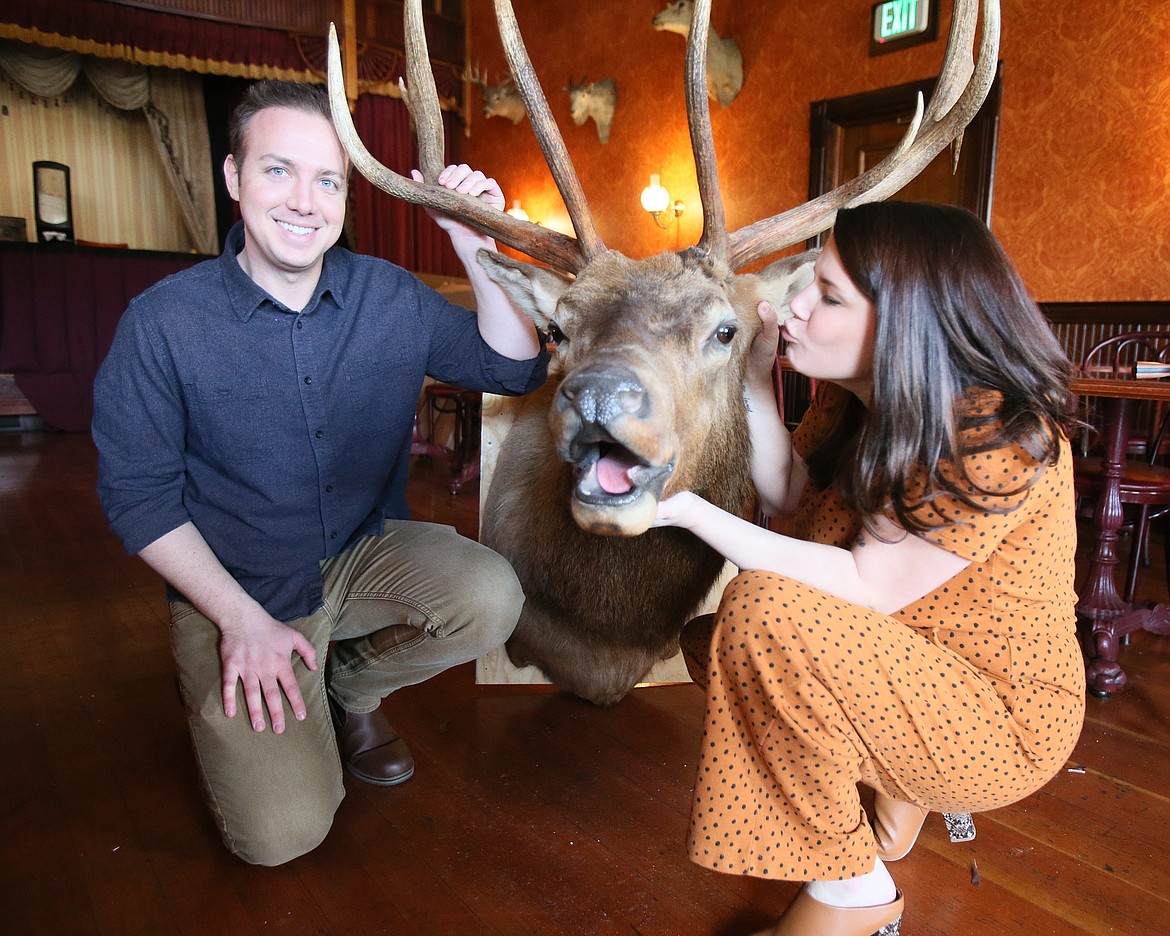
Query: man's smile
x: 295, y: 228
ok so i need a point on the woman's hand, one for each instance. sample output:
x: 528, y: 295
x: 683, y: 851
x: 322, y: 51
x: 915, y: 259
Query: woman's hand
x: 678, y: 510
x: 762, y: 354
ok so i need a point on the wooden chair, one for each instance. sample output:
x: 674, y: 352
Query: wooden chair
x: 1145, y: 481
x: 462, y: 453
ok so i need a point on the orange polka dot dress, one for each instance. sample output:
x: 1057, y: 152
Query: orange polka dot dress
x: 969, y: 699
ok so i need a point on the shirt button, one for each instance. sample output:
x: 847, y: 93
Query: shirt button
x: 328, y: 488
x: 300, y: 324
x: 333, y: 535
x: 319, y: 433
x: 308, y: 380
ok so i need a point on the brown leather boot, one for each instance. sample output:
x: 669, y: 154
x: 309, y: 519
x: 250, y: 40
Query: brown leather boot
x: 371, y: 749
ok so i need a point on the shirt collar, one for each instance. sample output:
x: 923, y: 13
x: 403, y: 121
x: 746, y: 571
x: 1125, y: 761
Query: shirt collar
x: 246, y: 296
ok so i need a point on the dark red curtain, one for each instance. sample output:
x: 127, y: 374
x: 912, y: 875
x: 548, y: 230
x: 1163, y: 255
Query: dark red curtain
x: 385, y: 226
x: 156, y: 31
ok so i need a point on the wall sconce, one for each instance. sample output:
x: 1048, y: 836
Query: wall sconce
x: 656, y: 201
x: 517, y: 212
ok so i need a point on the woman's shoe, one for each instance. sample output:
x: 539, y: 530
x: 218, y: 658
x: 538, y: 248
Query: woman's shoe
x: 960, y: 826
x: 896, y: 825
x: 807, y: 916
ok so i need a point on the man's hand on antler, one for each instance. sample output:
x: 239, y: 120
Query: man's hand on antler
x: 502, y: 325
x: 463, y: 178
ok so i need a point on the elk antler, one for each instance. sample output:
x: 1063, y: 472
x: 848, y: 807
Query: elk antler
x: 714, y: 237
x: 959, y: 92
x: 548, y: 134
x: 958, y: 95
x: 421, y: 99
x: 421, y: 95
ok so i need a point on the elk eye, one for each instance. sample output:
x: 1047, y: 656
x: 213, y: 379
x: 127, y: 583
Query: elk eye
x: 556, y: 336
x: 725, y: 333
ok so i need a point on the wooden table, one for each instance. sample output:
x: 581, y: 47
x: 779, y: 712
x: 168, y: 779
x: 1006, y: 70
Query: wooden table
x: 1106, y: 617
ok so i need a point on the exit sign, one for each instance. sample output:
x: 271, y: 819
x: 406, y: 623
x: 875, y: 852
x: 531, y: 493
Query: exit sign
x: 901, y: 23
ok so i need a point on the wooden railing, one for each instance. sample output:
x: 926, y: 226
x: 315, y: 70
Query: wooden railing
x: 1081, y: 325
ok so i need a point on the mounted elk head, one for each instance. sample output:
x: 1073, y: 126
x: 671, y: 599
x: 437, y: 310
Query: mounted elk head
x: 596, y: 99
x: 724, y: 60
x: 499, y: 100
x: 645, y: 397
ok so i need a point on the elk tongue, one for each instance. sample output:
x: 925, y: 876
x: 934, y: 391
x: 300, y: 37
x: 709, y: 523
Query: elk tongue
x: 613, y: 473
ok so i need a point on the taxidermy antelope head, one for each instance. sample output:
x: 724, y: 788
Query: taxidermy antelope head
x: 596, y: 99
x: 724, y: 60
x: 645, y: 395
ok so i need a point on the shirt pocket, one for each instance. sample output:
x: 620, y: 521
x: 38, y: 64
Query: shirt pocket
x: 233, y: 420
x: 382, y: 390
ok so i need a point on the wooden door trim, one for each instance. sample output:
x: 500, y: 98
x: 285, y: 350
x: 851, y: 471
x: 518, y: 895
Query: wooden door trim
x: 979, y: 142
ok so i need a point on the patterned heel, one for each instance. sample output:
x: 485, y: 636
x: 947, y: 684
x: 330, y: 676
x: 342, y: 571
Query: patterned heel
x: 960, y: 826
x: 893, y: 928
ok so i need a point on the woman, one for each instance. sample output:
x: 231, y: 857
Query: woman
x: 917, y: 632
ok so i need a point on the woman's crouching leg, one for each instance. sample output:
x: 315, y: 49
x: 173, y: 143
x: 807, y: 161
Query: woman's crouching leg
x: 810, y: 694
x: 776, y: 793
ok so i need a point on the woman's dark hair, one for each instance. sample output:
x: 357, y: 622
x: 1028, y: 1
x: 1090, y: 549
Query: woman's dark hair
x: 952, y: 316
x: 262, y: 95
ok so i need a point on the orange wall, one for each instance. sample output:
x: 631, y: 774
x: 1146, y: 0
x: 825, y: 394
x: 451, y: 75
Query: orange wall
x: 1082, y: 186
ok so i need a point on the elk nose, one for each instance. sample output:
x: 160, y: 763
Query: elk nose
x: 602, y: 398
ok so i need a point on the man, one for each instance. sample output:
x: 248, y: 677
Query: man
x: 253, y: 420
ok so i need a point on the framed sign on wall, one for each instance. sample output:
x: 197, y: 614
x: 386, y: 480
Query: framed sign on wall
x: 53, y: 201
x: 897, y: 24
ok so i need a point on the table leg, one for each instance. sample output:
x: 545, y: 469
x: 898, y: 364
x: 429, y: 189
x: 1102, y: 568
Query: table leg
x: 1106, y: 616
x: 466, y: 460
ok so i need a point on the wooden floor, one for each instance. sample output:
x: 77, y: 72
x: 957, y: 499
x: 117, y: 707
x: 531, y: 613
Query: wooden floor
x: 530, y: 813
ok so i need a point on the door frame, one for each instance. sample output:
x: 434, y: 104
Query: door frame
x: 828, y: 117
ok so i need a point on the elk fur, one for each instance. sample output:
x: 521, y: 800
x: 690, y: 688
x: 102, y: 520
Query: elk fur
x: 606, y: 598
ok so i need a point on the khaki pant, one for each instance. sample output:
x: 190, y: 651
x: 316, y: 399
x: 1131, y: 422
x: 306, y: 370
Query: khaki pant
x: 398, y: 608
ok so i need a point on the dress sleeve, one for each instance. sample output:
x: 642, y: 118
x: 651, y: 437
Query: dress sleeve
x: 999, y: 483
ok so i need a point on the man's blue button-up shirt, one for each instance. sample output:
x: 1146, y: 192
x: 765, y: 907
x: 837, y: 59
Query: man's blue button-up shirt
x: 282, y: 436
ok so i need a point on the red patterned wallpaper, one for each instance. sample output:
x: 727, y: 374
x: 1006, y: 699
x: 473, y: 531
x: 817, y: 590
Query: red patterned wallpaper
x: 1082, y: 187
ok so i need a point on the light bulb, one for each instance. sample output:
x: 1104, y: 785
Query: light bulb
x: 654, y: 197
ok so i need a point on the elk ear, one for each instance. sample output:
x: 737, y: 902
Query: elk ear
x: 779, y: 282
x: 534, y: 289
